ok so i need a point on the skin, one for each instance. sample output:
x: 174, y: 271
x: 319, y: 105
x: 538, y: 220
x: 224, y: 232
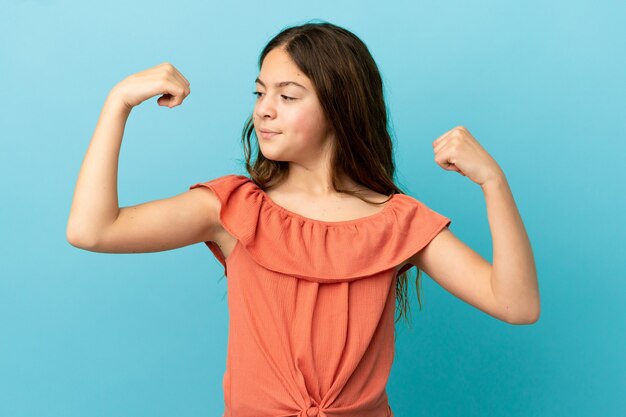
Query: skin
x: 305, y: 142
x: 506, y: 289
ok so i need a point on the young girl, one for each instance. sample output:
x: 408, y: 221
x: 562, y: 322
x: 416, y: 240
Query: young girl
x: 316, y: 245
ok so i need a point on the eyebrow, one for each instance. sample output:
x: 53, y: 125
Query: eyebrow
x: 281, y: 84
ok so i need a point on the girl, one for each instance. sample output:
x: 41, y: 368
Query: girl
x: 316, y: 245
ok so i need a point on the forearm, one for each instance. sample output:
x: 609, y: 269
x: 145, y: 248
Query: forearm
x: 95, y: 201
x: 514, y: 276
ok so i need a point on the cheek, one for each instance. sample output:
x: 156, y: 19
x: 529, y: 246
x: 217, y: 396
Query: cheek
x: 308, y: 124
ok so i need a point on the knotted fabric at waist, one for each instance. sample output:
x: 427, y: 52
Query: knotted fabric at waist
x: 312, y: 411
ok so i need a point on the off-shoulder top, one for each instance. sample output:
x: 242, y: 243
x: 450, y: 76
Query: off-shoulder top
x: 311, y: 303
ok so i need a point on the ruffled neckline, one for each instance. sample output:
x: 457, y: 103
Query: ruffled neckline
x: 290, y: 213
x: 317, y: 250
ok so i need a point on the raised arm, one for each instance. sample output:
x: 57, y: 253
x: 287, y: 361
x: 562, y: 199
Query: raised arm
x: 507, y: 289
x: 96, y: 222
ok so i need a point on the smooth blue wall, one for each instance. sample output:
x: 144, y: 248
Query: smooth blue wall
x: 541, y: 85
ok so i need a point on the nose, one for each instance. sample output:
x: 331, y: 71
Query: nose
x: 264, y: 108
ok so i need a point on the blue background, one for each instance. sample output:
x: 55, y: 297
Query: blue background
x: 541, y: 85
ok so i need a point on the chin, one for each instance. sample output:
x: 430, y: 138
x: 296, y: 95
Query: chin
x: 273, y: 156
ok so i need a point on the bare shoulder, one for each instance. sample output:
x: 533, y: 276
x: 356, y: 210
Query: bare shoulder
x: 205, y: 196
x: 207, y: 210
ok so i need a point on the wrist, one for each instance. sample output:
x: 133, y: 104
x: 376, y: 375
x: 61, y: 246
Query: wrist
x: 115, y: 100
x: 496, y: 180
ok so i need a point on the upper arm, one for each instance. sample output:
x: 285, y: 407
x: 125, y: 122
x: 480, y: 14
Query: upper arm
x: 159, y: 225
x: 459, y: 270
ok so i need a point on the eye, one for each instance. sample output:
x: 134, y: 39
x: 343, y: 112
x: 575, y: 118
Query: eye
x: 258, y: 94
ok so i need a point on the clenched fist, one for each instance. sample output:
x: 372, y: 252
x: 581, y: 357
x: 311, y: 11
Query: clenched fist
x: 162, y: 79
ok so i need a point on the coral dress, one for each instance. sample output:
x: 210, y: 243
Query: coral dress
x: 312, y: 303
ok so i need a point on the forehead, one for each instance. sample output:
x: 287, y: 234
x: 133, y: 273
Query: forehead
x: 278, y: 69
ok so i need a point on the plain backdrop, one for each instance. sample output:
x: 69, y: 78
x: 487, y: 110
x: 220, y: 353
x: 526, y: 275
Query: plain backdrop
x: 540, y: 85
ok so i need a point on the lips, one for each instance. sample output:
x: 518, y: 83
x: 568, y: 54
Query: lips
x: 267, y: 133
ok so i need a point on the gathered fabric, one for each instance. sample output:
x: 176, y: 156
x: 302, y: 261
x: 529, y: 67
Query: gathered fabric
x: 311, y: 303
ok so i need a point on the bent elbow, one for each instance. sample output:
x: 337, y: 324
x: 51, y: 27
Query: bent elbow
x: 77, y: 240
x: 528, y: 318
x: 534, y: 318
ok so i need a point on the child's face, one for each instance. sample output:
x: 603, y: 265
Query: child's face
x: 295, y: 112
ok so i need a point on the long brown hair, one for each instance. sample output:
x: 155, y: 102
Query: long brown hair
x: 350, y: 90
